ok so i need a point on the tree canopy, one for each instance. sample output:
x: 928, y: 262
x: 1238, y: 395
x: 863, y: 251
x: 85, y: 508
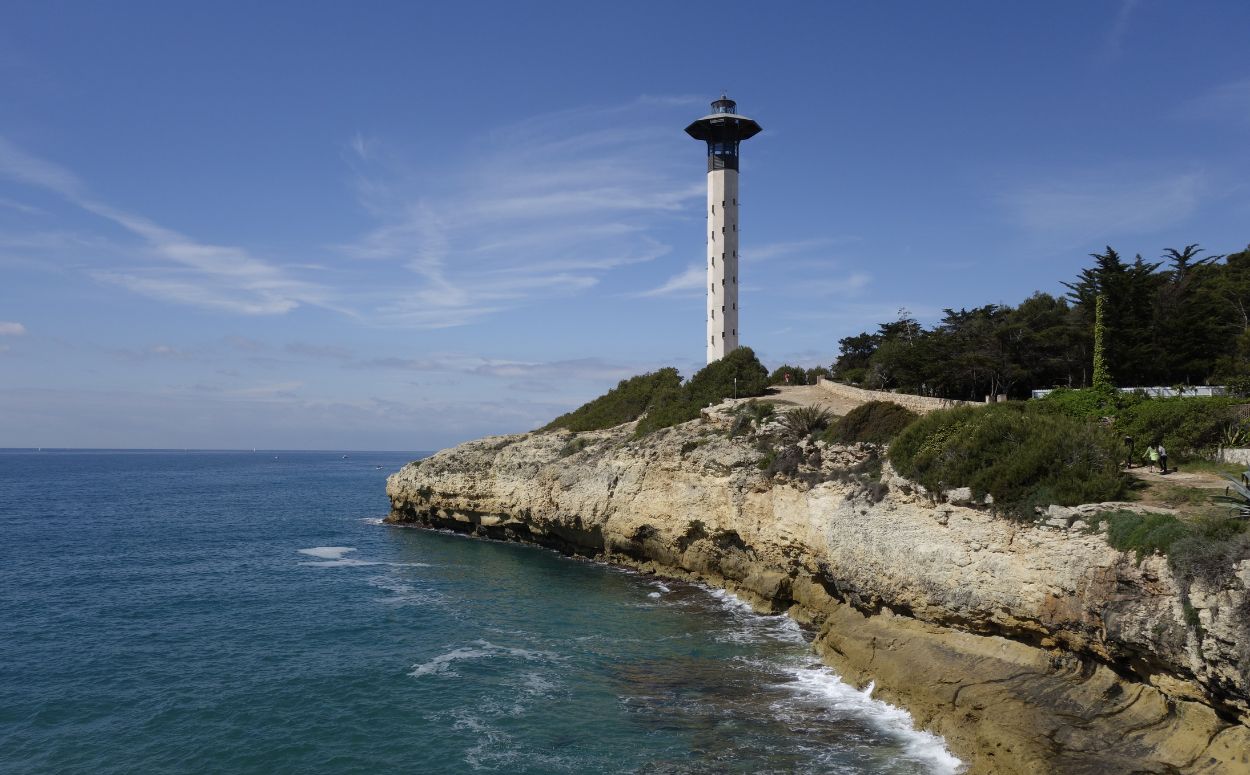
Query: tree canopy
x: 1181, y: 320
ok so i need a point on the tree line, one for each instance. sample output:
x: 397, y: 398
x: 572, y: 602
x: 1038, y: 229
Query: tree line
x: 1181, y: 320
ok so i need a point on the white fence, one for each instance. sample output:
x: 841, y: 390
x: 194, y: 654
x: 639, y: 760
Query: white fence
x: 1161, y: 392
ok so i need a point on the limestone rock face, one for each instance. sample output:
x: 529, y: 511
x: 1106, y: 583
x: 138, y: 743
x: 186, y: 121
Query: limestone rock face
x: 1032, y: 648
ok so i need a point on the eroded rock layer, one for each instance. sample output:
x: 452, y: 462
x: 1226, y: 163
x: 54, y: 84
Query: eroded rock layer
x: 1031, y: 648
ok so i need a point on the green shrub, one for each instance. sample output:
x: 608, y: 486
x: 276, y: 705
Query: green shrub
x: 1211, y: 560
x: 1143, y: 534
x: 876, y: 421
x: 1203, y: 549
x: 1021, y: 458
x: 798, y: 375
x: 739, y: 373
x: 624, y: 403
x: 855, y: 376
x: 815, y: 373
x: 716, y: 381
x: 1188, y: 427
x: 574, y: 445
x: 751, y: 413
x: 1088, y: 403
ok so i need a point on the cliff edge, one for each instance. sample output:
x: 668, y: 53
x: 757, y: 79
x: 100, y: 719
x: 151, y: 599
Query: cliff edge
x: 1031, y: 648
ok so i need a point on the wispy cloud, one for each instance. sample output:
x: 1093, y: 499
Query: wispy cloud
x: 1225, y: 102
x: 9, y: 328
x: 564, y: 370
x: 690, y: 282
x: 1099, y: 206
x: 20, y: 207
x: 547, y: 207
x: 805, y: 247
x: 179, y: 269
x: 1119, y: 27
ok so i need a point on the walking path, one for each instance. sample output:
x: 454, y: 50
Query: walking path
x: 809, y: 395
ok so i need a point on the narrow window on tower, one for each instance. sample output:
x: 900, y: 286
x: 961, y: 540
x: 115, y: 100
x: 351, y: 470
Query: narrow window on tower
x: 713, y: 314
x: 722, y: 308
x: 735, y: 332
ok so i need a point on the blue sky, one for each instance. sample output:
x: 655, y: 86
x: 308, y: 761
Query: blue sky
x: 400, y: 225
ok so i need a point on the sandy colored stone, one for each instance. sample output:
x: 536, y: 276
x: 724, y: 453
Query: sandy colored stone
x: 1031, y: 649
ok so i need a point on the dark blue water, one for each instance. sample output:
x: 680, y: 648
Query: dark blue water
x: 246, y: 613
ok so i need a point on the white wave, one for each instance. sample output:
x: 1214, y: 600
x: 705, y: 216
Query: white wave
x: 328, y: 552
x: 479, y: 649
x: 535, y: 684
x: 373, y: 521
x: 332, y: 557
x: 816, y: 683
x: 820, y: 685
x: 755, y: 627
x: 661, y: 586
x: 403, y: 593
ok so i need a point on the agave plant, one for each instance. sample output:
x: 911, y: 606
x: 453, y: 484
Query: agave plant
x: 1234, y: 435
x: 805, y: 421
x: 1237, y: 494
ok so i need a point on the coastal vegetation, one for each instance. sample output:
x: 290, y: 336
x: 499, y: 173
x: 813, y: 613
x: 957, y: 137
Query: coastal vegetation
x: 1020, y: 457
x: 662, y: 399
x: 876, y: 422
x: 739, y: 374
x: 1182, y: 320
x: 797, y: 375
x: 1189, y: 427
x: 624, y: 403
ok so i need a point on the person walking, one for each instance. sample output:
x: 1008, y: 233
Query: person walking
x: 1154, y: 457
x: 1163, y: 458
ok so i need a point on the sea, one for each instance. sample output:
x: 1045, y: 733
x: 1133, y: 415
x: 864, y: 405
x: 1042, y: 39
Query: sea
x: 248, y: 612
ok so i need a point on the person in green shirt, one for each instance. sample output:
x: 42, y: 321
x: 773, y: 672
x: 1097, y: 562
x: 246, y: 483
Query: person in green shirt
x: 1154, y: 456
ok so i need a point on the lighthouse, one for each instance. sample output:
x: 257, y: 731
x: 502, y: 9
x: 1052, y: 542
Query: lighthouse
x: 723, y: 130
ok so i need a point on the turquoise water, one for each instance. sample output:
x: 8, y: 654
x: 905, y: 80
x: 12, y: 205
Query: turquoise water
x: 247, y: 613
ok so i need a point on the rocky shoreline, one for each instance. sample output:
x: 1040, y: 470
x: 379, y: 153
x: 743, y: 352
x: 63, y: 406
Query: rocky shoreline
x: 1030, y: 648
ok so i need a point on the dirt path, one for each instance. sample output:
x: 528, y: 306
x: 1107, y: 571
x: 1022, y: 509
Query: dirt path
x: 809, y: 395
x: 1188, y: 493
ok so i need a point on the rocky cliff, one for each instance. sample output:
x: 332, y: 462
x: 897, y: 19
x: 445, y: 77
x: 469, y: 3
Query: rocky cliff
x: 1031, y: 648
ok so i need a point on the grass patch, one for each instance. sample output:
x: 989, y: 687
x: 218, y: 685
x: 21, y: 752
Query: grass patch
x: 1211, y: 467
x: 1205, y: 549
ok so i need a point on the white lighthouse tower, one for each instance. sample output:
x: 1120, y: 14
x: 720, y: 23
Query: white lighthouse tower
x: 723, y: 130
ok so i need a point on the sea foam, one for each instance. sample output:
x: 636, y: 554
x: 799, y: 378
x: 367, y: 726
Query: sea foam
x: 478, y: 650
x: 814, y: 684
